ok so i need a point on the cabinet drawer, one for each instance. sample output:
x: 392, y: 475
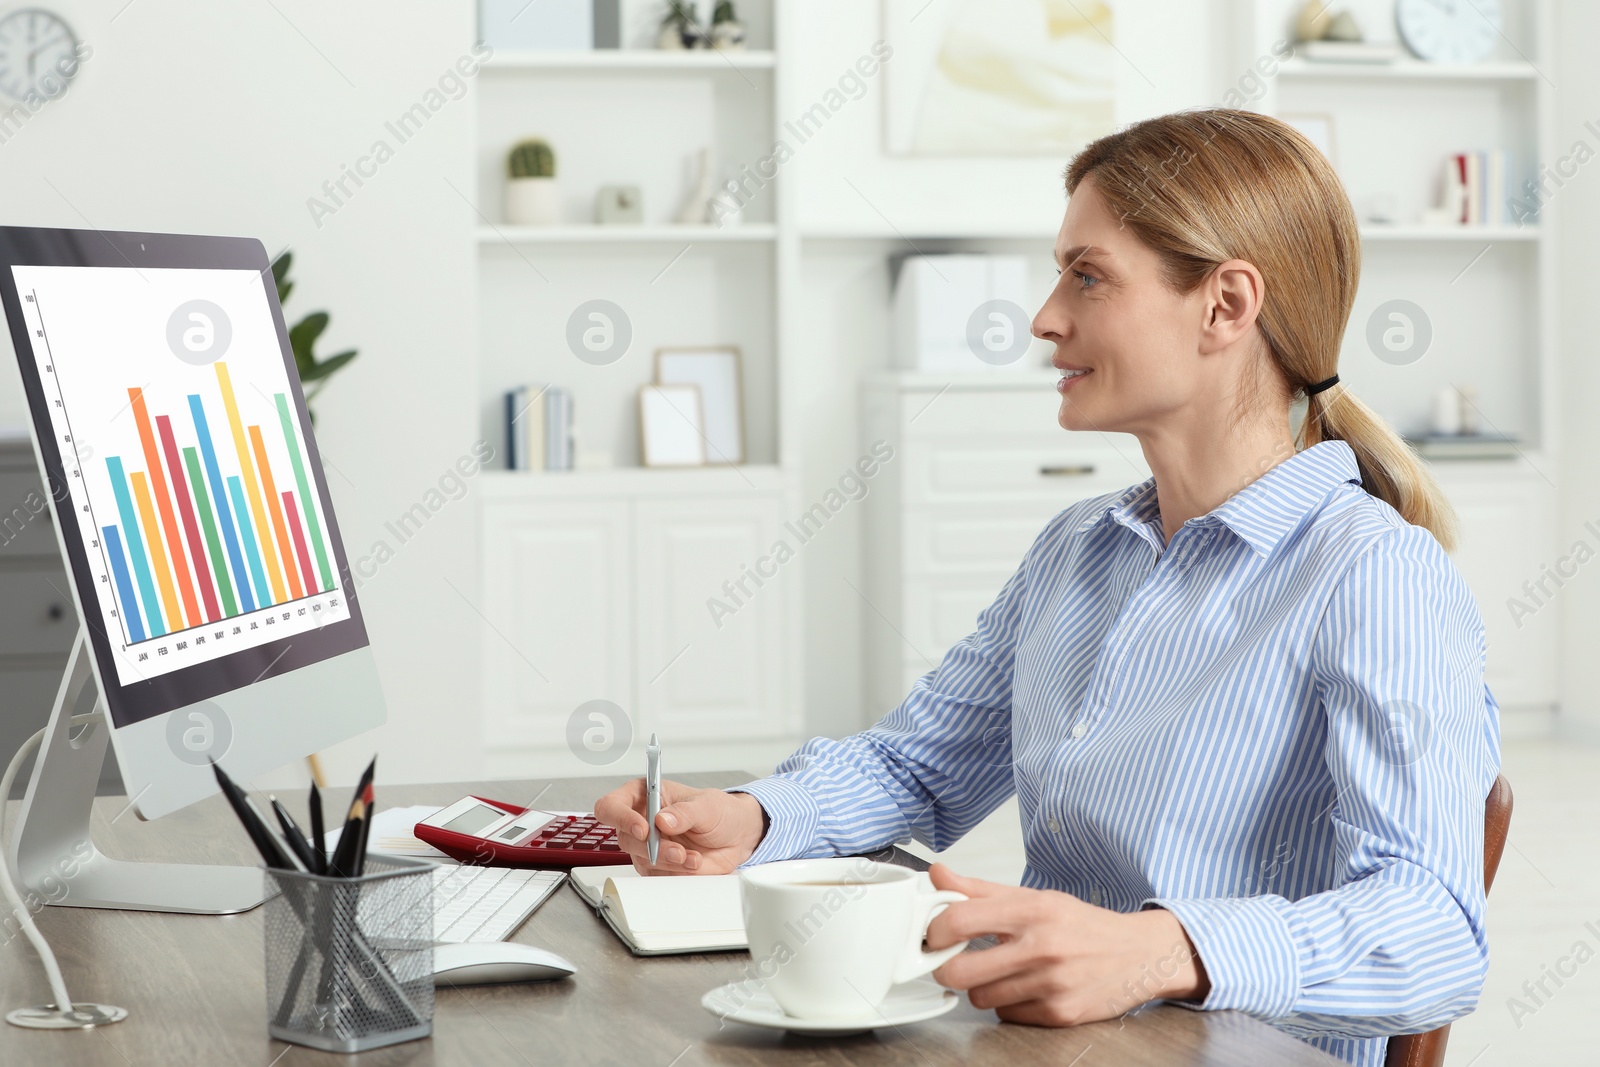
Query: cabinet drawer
x: 980, y: 412
x: 39, y: 617
x: 941, y: 611
x: 955, y: 539
x: 1057, y: 473
x: 25, y: 519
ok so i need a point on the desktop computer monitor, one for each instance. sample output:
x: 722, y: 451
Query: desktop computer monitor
x: 207, y: 568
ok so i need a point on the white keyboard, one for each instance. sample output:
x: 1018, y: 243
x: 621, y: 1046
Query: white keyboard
x: 477, y: 904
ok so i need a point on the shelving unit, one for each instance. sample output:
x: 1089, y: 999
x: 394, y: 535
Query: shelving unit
x: 604, y: 573
x: 1488, y: 291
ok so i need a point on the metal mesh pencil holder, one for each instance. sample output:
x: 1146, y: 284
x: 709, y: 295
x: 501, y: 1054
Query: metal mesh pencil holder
x: 350, y: 960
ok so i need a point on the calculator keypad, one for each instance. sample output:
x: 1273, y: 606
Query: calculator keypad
x: 577, y: 833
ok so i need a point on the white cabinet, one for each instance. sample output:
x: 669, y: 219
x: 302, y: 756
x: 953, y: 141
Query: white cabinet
x: 603, y: 587
x: 1507, y: 555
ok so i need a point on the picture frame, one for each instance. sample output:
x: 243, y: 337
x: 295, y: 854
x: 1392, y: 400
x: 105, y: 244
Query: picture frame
x: 671, y: 426
x: 718, y: 372
x: 1319, y: 130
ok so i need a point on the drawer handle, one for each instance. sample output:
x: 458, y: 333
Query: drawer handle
x: 1070, y: 470
x: 56, y: 612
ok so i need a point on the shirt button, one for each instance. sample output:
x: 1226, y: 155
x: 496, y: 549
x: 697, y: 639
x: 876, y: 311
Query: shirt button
x: 1054, y: 826
x: 1079, y: 730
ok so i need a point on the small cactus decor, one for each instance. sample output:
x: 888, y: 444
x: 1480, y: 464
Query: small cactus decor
x: 532, y: 196
x: 531, y: 159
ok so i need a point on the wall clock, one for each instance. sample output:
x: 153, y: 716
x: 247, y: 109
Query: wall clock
x: 38, y: 54
x: 1449, y: 31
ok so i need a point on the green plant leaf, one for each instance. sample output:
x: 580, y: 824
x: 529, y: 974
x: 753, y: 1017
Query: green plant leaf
x: 327, y: 366
x: 303, y: 334
x: 280, y: 275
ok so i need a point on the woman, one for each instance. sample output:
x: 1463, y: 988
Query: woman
x: 1241, y: 704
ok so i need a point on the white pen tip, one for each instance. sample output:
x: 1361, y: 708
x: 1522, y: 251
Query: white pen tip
x: 653, y: 740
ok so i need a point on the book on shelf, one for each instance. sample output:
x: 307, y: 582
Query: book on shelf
x: 539, y: 428
x: 1465, y: 446
x: 1474, y: 190
x: 665, y: 916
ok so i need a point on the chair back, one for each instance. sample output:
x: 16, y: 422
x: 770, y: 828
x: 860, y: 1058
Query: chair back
x: 1427, y: 1050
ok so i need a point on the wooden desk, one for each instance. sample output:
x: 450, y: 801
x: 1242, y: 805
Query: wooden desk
x: 193, y: 986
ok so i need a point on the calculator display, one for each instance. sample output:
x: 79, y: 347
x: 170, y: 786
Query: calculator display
x: 512, y: 832
x: 474, y: 819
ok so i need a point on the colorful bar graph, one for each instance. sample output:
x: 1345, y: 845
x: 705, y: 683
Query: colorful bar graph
x: 248, y: 536
x: 125, y: 597
x: 252, y: 488
x: 219, y: 490
x: 169, y: 522
x: 286, y: 553
x: 293, y: 518
x: 202, y: 502
x: 305, y: 493
x: 158, y: 554
x: 136, y: 551
x: 191, y: 529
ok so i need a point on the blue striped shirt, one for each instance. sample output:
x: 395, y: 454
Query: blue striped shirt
x: 1275, y: 726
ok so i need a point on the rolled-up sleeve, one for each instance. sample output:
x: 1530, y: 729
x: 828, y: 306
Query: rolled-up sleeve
x: 1412, y: 749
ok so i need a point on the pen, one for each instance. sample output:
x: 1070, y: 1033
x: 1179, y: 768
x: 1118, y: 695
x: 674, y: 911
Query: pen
x: 319, y: 837
x: 652, y: 793
x: 294, y: 838
x: 265, y: 843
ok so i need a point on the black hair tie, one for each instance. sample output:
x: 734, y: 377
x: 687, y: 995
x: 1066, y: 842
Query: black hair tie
x: 1326, y: 383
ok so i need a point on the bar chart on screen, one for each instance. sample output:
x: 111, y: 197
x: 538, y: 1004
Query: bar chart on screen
x: 186, y: 461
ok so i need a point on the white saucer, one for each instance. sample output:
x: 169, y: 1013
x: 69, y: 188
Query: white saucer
x: 748, y: 1002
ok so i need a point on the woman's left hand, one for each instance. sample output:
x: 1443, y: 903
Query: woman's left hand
x: 1061, y: 961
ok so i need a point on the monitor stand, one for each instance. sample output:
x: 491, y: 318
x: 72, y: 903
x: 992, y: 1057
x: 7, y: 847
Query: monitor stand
x: 52, y: 849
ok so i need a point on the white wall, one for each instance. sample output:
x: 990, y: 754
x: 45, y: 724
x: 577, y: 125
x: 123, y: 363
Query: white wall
x: 1578, y: 78
x: 226, y: 119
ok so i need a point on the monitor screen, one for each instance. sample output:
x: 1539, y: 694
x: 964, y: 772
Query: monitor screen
x: 168, y: 412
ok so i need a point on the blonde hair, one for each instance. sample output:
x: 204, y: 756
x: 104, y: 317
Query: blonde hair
x: 1206, y: 186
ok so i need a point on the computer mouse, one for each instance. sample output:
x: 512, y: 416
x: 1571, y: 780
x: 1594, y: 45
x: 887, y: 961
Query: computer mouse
x: 496, y: 961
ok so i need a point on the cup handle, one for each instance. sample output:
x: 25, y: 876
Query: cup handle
x: 914, y: 963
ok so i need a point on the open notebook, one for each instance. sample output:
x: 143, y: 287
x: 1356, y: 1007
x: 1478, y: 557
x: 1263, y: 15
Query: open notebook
x: 665, y: 916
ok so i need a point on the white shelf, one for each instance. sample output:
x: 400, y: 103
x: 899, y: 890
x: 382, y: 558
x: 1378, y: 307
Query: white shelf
x: 1449, y: 233
x: 636, y: 59
x: 1408, y: 70
x: 631, y: 481
x: 626, y: 234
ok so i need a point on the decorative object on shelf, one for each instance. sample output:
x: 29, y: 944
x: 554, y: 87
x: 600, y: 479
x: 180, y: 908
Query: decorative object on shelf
x: 1472, y: 190
x: 997, y: 77
x: 1311, y: 22
x: 696, y: 209
x: 680, y: 28
x: 532, y: 196
x: 559, y: 430
x: 1449, y: 33
x: 727, y: 32
x: 608, y: 24
x: 1318, y: 128
x: 1446, y: 419
x: 671, y: 426
x: 715, y: 372
x: 936, y: 299
x: 619, y: 205
x: 1471, y: 420
x: 303, y: 337
x: 39, y: 55
x: 1378, y: 209
x: 1325, y: 36
x: 548, y: 26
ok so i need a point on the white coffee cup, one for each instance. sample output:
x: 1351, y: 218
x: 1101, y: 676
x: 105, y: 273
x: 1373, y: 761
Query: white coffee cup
x: 828, y: 937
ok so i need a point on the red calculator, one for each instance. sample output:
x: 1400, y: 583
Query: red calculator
x: 492, y: 833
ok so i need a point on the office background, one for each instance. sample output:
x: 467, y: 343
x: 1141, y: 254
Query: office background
x: 512, y: 599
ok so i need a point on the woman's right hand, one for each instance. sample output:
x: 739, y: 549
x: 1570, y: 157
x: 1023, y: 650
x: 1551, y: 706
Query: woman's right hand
x: 703, y: 831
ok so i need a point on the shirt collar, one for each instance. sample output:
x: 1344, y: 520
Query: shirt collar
x: 1263, y: 512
